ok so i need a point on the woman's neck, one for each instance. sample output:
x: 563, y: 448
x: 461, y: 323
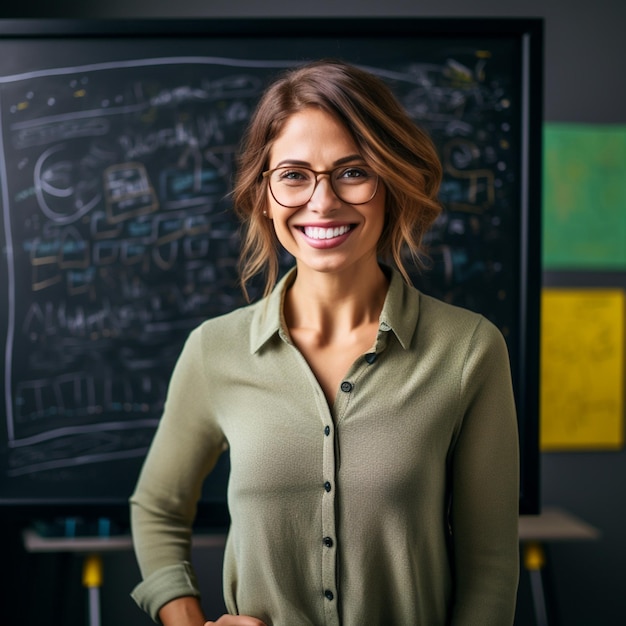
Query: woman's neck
x: 334, y: 305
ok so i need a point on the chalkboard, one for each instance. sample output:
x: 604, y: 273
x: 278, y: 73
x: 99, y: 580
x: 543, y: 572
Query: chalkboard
x: 118, y: 144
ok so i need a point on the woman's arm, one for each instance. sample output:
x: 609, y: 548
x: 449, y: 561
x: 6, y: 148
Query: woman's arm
x: 185, y: 448
x: 485, y: 488
x: 182, y: 612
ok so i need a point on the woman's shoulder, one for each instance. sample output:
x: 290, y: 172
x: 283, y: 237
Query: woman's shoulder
x: 460, y: 337
x: 454, y: 321
x: 226, y: 330
x: 440, y: 311
x: 230, y: 321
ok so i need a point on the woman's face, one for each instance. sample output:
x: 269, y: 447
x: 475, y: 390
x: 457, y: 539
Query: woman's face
x: 325, y: 234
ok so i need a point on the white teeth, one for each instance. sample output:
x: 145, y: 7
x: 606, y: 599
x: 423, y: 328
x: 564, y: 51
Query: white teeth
x: 314, y: 232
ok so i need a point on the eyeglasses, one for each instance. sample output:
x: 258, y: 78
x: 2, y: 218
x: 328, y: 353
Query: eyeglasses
x: 292, y: 187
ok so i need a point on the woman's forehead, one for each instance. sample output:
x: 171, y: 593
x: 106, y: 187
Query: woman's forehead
x: 312, y: 134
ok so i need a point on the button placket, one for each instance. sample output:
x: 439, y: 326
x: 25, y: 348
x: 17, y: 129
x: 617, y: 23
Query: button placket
x: 328, y: 542
x: 329, y: 522
x: 329, y: 539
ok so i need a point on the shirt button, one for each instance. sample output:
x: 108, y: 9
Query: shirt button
x: 327, y: 486
x: 328, y: 542
x: 327, y: 430
x: 370, y: 357
x: 329, y: 594
x: 346, y: 387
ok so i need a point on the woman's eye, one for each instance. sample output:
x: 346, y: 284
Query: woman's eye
x: 354, y: 173
x: 294, y: 176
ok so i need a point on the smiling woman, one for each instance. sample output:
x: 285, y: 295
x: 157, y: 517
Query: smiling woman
x: 384, y: 139
x: 371, y: 429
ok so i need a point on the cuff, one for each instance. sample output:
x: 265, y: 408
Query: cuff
x: 164, y: 585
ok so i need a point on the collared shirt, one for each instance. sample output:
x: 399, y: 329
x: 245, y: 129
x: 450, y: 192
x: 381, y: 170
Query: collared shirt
x: 396, y: 505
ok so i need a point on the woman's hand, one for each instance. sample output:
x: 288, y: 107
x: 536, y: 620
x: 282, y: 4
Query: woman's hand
x: 236, y: 620
x: 186, y: 610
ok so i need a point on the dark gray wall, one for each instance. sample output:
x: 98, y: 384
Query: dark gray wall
x: 585, y: 51
x: 584, y: 43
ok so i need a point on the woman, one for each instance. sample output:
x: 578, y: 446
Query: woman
x: 371, y: 429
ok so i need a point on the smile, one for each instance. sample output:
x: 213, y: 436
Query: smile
x: 316, y: 232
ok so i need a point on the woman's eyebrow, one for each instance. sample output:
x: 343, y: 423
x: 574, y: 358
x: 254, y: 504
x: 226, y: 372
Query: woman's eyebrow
x: 350, y: 159
x: 292, y: 162
x: 342, y: 161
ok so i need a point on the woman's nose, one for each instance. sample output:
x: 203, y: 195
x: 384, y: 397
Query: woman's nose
x: 324, y: 197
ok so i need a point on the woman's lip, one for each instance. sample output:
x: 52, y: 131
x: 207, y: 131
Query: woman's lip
x: 324, y: 224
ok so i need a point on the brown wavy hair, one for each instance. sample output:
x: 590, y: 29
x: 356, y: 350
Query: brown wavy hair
x: 400, y: 152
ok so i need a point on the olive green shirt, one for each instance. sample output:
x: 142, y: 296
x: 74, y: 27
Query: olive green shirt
x: 396, y: 506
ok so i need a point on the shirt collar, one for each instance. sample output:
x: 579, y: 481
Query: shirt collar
x: 268, y: 316
x: 401, y: 309
x: 399, y: 315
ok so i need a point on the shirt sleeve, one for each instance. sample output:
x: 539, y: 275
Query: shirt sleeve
x: 485, y: 487
x: 164, y: 585
x: 185, y: 448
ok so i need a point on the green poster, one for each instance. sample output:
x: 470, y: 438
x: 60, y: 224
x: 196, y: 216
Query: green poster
x: 584, y: 197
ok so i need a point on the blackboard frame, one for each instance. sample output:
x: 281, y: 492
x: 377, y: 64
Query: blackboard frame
x: 526, y: 33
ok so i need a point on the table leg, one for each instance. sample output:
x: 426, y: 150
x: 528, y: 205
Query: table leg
x: 92, y: 579
x: 534, y: 562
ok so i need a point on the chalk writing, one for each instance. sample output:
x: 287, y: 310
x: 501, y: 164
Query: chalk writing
x: 120, y: 237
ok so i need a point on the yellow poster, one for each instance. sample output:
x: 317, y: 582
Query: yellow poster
x: 582, y: 369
